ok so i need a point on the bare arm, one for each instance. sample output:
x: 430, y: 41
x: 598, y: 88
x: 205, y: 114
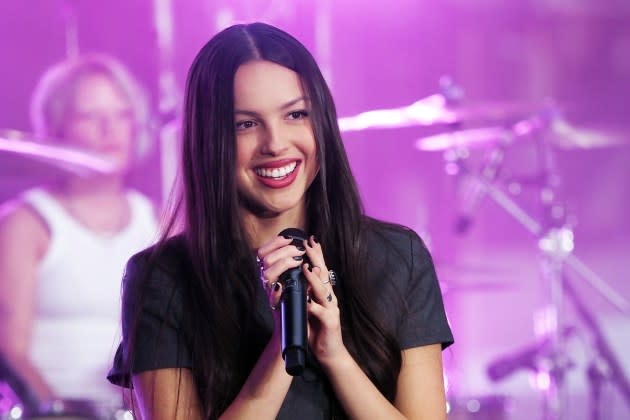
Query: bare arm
x: 264, y: 390
x: 420, y: 387
x: 420, y: 393
x: 166, y: 394
x: 23, y: 242
x: 172, y: 393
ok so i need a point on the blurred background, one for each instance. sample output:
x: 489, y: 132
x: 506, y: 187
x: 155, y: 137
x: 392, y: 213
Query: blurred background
x: 522, y: 163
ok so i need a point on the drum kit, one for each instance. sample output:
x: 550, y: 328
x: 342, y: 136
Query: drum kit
x: 490, y: 127
x: 493, y: 128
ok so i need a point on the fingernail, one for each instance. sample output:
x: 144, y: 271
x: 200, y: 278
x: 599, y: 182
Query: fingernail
x: 276, y: 287
x: 300, y: 248
x: 298, y: 258
x: 308, y: 299
x: 286, y: 236
x: 310, y: 268
x: 315, y: 239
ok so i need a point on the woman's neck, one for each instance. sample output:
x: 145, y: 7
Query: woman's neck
x: 261, y: 229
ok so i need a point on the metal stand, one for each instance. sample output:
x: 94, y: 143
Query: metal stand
x: 604, y: 367
x: 555, y: 240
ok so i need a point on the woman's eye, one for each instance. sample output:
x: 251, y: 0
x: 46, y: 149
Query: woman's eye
x: 243, y: 125
x: 298, y: 115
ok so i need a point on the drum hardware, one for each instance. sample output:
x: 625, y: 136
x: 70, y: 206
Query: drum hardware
x: 46, y: 158
x: 23, y: 400
x: 559, y: 132
x: 554, y: 236
x: 442, y: 110
x: 486, y: 407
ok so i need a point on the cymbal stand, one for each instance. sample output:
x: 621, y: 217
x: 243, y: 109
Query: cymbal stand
x: 555, y: 240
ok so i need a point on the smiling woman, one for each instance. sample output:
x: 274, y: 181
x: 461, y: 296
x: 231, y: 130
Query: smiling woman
x: 201, y: 334
x: 275, y: 146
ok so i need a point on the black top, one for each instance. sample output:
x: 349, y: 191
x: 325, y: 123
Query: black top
x: 399, y: 264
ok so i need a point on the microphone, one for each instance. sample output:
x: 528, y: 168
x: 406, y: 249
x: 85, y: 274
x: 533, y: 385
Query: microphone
x: 293, y: 311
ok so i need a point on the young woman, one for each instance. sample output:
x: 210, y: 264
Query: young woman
x: 201, y: 330
x: 63, y: 246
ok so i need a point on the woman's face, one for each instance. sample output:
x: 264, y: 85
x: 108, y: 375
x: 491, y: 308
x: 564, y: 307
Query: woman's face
x: 101, y: 120
x: 276, y: 149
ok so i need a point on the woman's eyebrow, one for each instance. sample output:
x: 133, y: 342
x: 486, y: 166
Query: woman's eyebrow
x: 281, y: 108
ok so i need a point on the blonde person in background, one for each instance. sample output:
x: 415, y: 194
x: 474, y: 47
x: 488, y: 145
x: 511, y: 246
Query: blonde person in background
x: 63, y: 247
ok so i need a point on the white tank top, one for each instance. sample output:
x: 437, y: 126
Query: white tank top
x: 77, y: 316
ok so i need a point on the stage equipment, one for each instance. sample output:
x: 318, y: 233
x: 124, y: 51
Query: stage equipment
x: 23, y: 155
x: 549, y: 133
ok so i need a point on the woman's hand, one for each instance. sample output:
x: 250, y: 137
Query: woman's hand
x: 324, y: 324
x: 274, y: 258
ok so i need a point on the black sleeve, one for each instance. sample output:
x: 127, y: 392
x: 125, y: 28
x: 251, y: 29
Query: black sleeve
x: 425, y: 319
x: 152, y: 314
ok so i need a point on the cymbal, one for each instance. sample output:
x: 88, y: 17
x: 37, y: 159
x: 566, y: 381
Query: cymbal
x: 25, y: 156
x: 566, y: 135
x: 428, y: 111
x: 436, y: 110
x: 470, y: 138
x: 559, y: 133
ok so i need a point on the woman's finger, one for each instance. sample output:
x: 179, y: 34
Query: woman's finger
x: 274, y: 296
x: 321, y: 292
x: 314, y: 252
x: 277, y: 256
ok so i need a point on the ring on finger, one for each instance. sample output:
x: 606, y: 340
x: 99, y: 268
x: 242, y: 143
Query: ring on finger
x: 261, y: 266
x: 332, y: 278
x: 329, y: 297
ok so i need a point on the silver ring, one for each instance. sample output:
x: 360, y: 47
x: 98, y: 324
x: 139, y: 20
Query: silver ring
x: 261, y: 270
x: 273, y: 307
x: 332, y: 278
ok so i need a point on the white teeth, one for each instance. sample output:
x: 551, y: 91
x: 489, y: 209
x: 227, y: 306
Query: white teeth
x: 276, y: 172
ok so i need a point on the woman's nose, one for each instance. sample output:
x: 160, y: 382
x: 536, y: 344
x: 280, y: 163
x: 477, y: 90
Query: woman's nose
x: 274, y: 141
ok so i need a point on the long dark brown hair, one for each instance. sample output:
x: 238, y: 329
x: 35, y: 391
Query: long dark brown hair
x: 223, y: 273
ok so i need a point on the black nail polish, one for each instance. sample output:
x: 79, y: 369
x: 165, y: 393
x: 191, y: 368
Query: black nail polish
x: 286, y: 236
x: 298, y: 258
x: 308, y: 299
x: 276, y: 287
x: 310, y: 268
x: 300, y: 248
x: 315, y: 239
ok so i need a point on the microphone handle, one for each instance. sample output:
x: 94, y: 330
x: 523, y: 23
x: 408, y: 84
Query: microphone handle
x: 293, y: 312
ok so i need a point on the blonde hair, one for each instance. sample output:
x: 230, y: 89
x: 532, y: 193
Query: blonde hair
x: 54, y: 93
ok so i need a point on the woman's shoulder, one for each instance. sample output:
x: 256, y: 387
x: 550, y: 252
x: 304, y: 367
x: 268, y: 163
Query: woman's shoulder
x: 158, y: 264
x: 396, y: 237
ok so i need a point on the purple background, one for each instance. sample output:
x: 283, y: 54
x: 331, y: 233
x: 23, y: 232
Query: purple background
x: 387, y: 55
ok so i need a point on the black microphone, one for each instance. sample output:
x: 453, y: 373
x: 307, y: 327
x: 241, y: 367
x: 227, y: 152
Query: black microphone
x: 293, y: 311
